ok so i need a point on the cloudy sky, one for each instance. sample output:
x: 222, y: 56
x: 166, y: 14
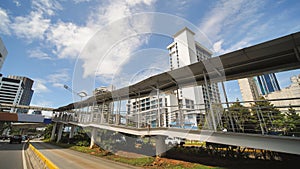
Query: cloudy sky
x: 86, y: 44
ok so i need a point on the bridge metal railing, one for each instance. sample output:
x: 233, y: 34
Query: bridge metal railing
x: 266, y: 117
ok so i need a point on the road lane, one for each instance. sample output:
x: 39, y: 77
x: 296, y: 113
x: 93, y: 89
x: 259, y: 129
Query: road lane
x: 10, y: 155
x: 65, y: 158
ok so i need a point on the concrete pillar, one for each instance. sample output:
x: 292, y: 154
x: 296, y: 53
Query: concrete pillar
x: 72, y: 132
x: 60, y: 130
x: 102, y: 114
x: 160, y: 146
x: 139, y: 113
x: 158, y: 109
x: 93, y: 137
x: 53, y: 132
x: 21, y: 131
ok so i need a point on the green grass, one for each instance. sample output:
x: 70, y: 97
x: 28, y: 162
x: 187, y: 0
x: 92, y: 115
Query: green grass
x: 140, y: 162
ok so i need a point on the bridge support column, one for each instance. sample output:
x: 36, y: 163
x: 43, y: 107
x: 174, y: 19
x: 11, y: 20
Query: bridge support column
x: 161, y: 147
x: 93, y: 137
x: 23, y: 131
x: 60, y: 130
x: 53, y: 132
x: 71, y: 135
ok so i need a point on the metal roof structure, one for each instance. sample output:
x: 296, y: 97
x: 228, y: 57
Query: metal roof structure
x: 276, y: 55
x: 4, y: 105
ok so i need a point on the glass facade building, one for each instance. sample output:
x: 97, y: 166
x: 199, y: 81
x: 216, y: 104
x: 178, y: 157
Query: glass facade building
x: 268, y: 83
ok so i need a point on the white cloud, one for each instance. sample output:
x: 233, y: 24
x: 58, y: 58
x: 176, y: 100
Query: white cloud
x: 80, y: 1
x: 4, y: 22
x: 69, y: 39
x: 228, y: 15
x: 38, y: 54
x: 39, y: 86
x: 136, y: 2
x: 217, y: 46
x: 219, y: 49
x: 17, y: 3
x: 58, y: 78
x: 111, y: 63
x: 46, y: 6
x: 118, y: 9
x: 30, y: 27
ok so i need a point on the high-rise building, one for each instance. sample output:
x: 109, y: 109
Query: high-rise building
x: 254, y: 87
x: 3, y: 53
x: 185, y: 51
x: 194, y: 101
x: 268, y: 83
x: 145, y: 110
x: 293, y: 91
x: 249, y: 90
x: 16, y: 90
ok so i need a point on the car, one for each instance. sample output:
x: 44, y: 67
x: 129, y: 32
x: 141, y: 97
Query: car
x: 121, y: 140
x: 16, y: 139
x: 24, y: 137
x: 174, y: 141
x: 4, y: 137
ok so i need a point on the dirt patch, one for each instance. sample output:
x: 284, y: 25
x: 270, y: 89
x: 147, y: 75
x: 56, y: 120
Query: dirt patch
x: 160, y: 163
x: 130, y: 154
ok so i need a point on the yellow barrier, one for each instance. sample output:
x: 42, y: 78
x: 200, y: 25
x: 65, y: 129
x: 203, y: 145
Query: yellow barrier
x: 48, y: 163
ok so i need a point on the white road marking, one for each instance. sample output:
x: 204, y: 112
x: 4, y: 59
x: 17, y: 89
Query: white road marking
x: 23, y: 157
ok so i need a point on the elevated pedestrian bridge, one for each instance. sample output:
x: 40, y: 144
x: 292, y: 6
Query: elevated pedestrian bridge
x: 277, y: 55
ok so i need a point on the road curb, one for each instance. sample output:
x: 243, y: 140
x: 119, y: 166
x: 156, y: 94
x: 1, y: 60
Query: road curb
x: 38, y: 160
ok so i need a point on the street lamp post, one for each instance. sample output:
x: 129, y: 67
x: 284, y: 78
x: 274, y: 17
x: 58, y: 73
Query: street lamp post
x: 80, y: 94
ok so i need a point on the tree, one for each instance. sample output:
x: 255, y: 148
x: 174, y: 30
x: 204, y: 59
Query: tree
x: 270, y: 118
x: 292, y: 122
x: 239, y: 115
x: 48, y: 131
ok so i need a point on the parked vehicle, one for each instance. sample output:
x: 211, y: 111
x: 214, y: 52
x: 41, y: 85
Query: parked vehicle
x: 174, y: 141
x: 4, y: 137
x: 24, y: 137
x: 121, y: 140
x: 16, y: 139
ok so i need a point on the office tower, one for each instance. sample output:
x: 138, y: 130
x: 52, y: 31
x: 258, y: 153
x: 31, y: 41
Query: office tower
x: 254, y: 87
x: 16, y: 90
x: 268, y: 83
x: 249, y: 90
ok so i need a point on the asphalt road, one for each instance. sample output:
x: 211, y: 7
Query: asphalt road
x: 10, y: 155
x: 66, y: 159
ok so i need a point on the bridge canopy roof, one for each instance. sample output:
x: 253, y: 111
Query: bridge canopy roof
x: 276, y: 55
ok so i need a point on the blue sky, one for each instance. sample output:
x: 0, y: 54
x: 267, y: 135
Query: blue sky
x: 52, y: 42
